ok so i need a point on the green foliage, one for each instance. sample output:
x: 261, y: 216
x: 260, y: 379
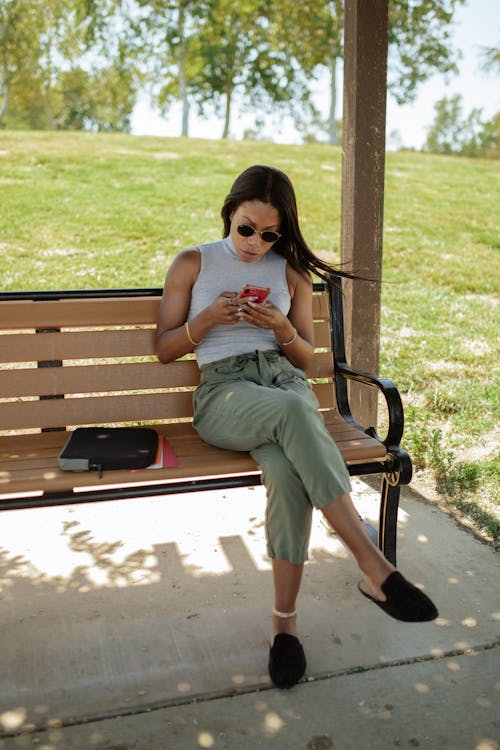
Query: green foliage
x: 60, y: 57
x: 490, y: 137
x: 311, y: 34
x: 470, y: 486
x: 20, y: 45
x: 46, y: 79
x: 419, y: 436
x: 167, y: 46
x: 452, y: 477
x: 240, y: 54
x: 451, y: 133
x: 490, y: 60
x: 419, y: 43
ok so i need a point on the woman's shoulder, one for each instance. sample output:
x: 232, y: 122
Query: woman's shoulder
x: 297, y: 279
x: 193, y: 254
x: 189, y: 255
x: 186, y: 263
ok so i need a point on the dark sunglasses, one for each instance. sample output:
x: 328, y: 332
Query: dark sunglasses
x: 247, y: 231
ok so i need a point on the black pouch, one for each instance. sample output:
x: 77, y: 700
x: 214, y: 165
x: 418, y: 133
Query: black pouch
x: 103, y: 448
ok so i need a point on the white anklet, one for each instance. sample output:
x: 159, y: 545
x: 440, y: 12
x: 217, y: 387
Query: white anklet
x: 284, y: 615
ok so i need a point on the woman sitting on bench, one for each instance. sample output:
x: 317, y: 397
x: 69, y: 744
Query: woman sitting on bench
x: 244, y: 305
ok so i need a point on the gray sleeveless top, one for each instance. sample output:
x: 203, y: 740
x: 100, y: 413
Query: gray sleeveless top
x: 221, y: 270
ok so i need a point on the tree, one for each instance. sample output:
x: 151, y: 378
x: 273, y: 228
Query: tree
x: 452, y: 133
x: 269, y: 52
x: 490, y: 62
x: 237, y: 57
x: 419, y: 32
x: 165, y: 33
x: 491, y: 136
x: 20, y: 50
x: 207, y: 52
x: 99, y: 100
x: 419, y: 44
x: 46, y: 77
x: 310, y: 35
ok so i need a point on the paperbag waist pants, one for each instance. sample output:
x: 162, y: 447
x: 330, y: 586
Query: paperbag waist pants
x: 261, y: 403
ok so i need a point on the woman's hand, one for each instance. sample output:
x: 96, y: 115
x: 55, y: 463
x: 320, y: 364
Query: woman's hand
x: 224, y: 309
x: 261, y: 314
x: 294, y: 333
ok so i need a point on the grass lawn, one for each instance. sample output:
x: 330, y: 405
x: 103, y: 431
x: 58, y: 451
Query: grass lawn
x: 85, y: 210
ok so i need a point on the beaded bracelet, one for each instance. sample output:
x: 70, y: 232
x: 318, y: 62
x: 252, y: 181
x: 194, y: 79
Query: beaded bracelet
x: 287, y: 343
x: 194, y: 343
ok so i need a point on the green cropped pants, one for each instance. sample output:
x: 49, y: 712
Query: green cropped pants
x: 261, y: 403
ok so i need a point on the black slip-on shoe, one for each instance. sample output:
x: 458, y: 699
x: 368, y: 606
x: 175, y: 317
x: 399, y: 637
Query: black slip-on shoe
x: 287, y: 661
x: 404, y: 601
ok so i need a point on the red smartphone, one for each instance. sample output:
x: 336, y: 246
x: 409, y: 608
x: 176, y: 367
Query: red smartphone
x: 259, y: 293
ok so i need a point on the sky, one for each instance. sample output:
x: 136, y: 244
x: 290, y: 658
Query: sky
x: 476, y: 25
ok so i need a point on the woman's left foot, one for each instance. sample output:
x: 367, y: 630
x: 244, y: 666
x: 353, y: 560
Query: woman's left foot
x: 287, y: 661
x: 404, y: 601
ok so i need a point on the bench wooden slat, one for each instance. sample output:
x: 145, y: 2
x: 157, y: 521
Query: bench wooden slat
x: 116, y: 409
x: 78, y: 345
x: 39, y: 450
x: 321, y: 305
x: 67, y: 313
x: 86, y: 344
x: 97, y: 410
x: 99, y: 378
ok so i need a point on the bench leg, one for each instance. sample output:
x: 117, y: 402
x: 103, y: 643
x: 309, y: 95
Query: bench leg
x: 388, y: 519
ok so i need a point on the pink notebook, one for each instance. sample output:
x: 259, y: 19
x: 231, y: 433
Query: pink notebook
x: 165, y: 456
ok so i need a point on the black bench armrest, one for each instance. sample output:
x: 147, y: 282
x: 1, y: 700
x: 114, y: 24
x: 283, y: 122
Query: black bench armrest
x: 391, y: 395
x: 344, y: 372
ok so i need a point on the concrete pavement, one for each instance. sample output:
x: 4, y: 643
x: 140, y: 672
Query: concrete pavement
x: 144, y: 625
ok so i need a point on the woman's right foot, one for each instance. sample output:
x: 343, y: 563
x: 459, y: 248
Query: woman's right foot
x: 402, y: 600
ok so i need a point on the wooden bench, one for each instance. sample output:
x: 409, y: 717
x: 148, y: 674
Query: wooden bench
x: 77, y: 358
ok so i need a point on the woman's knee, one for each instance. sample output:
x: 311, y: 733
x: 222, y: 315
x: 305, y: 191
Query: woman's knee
x: 278, y: 472
x: 298, y: 410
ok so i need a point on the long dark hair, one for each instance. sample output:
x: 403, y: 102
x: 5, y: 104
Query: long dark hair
x: 271, y: 185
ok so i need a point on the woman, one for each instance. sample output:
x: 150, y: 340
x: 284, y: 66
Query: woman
x: 254, y: 395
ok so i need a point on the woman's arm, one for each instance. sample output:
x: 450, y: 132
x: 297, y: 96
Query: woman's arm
x: 172, y: 339
x: 300, y: 350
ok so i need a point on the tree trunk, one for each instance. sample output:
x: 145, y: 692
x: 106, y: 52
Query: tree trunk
x: 183, y: 92
x: 227, y: 118
x: 332, y: 125
x: 185, y: 116
x: 4, y: 103
x: 181, y: 62
x: 47, y: 85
